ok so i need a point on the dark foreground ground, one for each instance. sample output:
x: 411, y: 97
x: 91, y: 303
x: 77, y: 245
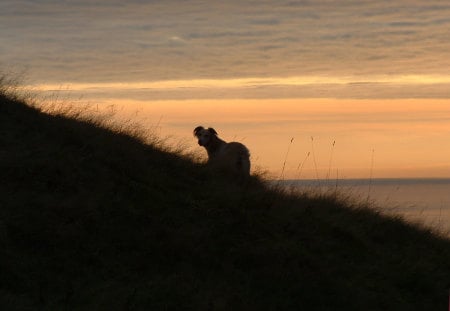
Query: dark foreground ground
x: 92, y: 219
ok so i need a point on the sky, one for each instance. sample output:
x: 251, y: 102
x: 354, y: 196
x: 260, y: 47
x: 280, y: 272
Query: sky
x: 315, y: 89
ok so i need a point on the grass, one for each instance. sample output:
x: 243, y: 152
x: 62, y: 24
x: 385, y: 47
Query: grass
x: 94, y: 218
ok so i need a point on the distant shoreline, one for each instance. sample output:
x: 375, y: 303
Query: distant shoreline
x: 426, y: 200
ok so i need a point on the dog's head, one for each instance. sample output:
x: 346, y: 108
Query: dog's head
x: 204, y: 135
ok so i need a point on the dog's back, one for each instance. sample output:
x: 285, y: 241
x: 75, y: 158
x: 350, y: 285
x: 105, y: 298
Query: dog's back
x: 238, y: 156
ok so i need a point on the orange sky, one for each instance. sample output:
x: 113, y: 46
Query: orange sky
x: 407, y: 137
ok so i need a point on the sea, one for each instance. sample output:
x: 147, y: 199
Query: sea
x: 425, y: 201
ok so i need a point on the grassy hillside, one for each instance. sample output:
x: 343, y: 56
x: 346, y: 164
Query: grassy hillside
x: 92, y: 219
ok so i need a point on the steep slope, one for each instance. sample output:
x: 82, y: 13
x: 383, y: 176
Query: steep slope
x: 94, y: 219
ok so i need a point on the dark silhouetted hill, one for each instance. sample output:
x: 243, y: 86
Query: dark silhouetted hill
x: 93, y: 219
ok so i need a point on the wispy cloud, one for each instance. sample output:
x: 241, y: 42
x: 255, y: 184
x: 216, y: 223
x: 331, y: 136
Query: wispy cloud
x: 198, y: 40
x: 344, y: 86
x: 255, y: 82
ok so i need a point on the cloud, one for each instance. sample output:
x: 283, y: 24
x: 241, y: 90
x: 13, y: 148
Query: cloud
x: 111, y: 41
x: 385, y: 86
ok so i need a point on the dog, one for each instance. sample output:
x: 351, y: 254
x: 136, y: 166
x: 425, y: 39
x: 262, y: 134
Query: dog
x: 232, y: 157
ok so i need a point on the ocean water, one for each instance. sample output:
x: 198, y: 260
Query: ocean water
x: 426, y: 201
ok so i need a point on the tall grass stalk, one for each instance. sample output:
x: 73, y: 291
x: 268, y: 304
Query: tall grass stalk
x: 301, y: 164
x: 314, y: 159
x: 285, y: 159
x: 330, y: 161
x: 337, y: 181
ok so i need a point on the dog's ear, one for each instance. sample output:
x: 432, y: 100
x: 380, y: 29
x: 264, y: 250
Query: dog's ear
x: 212, y: 131
x: 198, y: 129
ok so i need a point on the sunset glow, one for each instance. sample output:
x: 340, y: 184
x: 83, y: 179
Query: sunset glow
x: 247, y: 82
x: 358, y: 127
